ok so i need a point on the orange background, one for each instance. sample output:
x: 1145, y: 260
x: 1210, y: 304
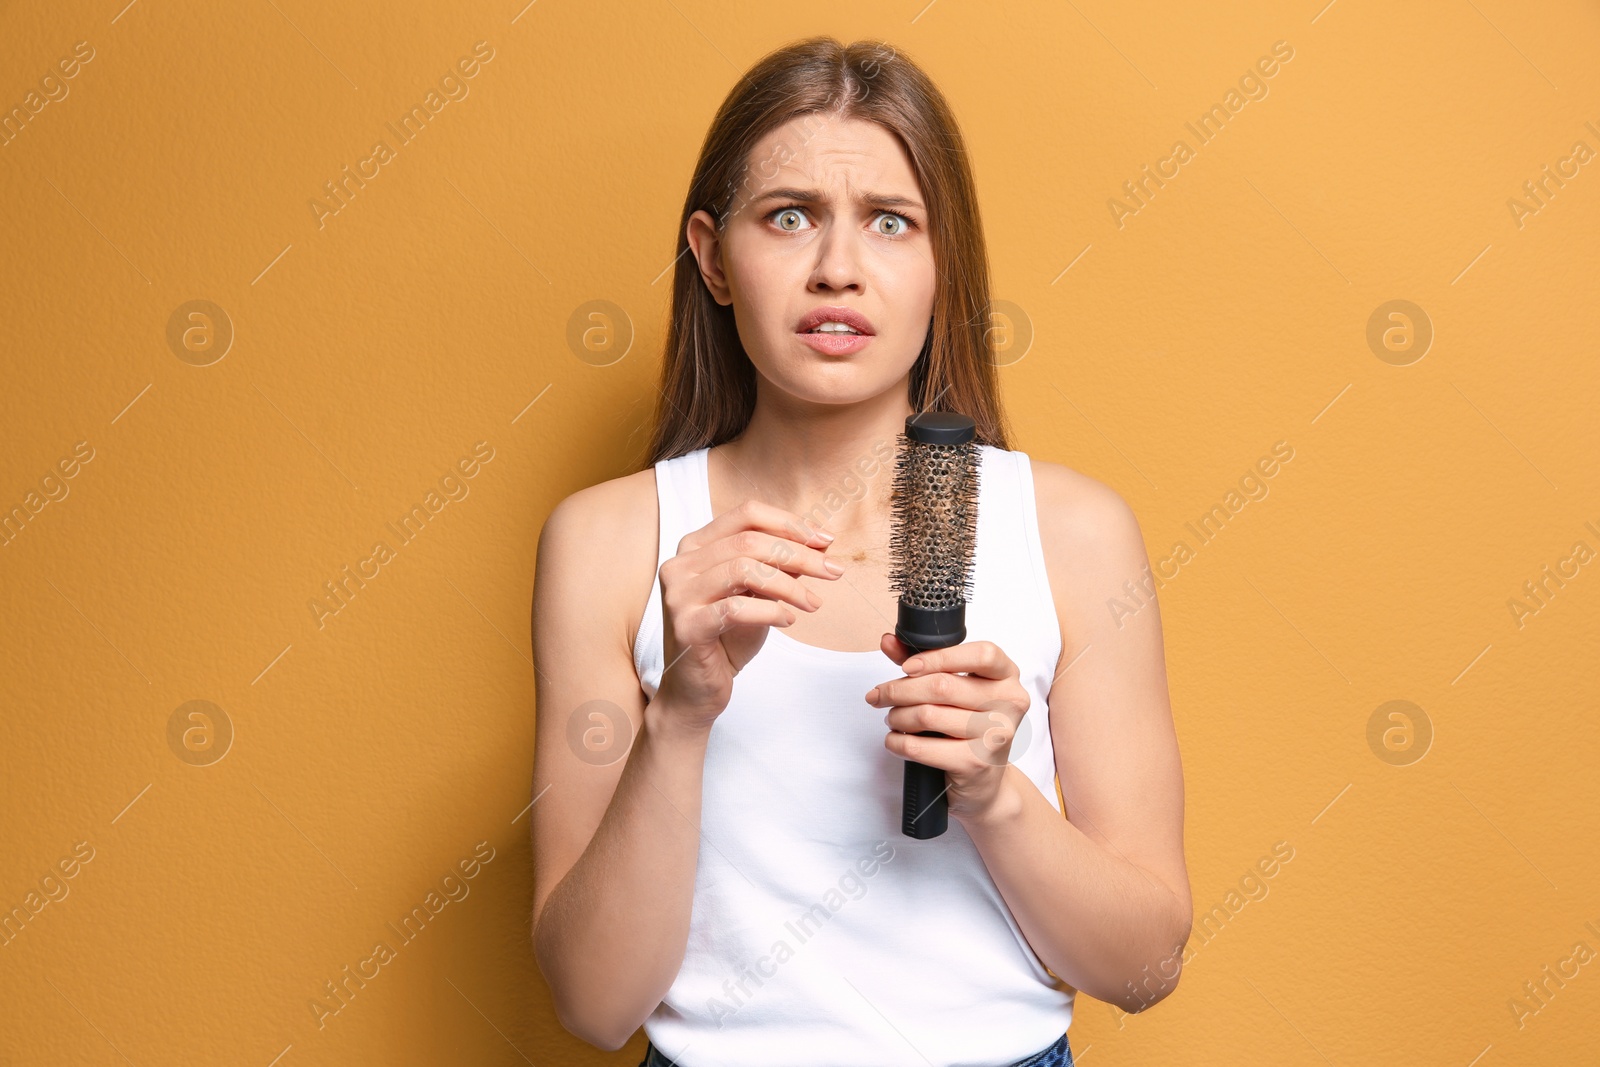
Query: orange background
x: 352, y: 762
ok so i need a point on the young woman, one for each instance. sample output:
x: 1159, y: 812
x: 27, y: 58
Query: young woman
x: 724, y: 714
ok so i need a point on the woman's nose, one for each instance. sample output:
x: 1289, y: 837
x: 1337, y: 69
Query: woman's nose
x: 838, y: 265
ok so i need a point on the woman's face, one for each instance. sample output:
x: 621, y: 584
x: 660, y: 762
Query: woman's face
x: 828, y: 215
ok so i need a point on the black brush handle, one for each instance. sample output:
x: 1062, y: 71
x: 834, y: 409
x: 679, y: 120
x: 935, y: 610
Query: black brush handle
x: 925, y: 809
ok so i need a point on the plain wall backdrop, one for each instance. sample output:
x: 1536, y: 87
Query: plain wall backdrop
x: 258, y: 745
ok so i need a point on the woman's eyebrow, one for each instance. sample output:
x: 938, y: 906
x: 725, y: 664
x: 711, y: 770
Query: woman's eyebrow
x: 816, y: 196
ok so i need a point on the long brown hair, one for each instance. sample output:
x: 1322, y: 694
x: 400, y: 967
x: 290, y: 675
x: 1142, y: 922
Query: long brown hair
x: 708, y: 384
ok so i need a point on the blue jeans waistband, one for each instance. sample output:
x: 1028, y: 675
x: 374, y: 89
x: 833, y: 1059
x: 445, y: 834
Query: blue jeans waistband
x: 1058, y: 1054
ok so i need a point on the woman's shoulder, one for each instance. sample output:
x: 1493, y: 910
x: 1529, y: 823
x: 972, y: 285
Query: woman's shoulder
x: 1068, y: 488
x: 614, y: 502
x: 601, y: 541
x: 1083, y: 521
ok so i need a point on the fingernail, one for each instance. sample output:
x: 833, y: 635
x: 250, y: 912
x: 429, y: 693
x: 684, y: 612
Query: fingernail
x: 912, y: 664
x: 872, y: 695
x: 833, y: 566
x: 824, y: 534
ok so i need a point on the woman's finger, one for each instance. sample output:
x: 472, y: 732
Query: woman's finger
x: 743, y: 575
x: 957, y: 690
x: 955, y: 756
x: 754, y: 515
x: 961, y: 723
x: 772, y: 551
x: 713, y: 620
x: 983, y: 658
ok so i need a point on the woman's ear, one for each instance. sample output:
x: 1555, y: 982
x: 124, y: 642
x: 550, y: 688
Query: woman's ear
x: 706, y: 245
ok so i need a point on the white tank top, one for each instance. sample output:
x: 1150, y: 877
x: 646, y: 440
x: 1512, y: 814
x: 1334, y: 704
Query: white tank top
x: 819, y: 932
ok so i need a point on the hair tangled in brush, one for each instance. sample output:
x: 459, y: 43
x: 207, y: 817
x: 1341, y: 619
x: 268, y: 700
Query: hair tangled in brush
x: 934, y: 523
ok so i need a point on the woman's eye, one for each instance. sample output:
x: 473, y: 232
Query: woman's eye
x: 786, y: 216
x: 899, y: 224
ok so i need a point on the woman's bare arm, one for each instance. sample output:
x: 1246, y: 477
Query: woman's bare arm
x: 1103, y: 896
x: 615, y: 832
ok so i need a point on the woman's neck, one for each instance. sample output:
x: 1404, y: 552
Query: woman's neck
x: 834, y: 468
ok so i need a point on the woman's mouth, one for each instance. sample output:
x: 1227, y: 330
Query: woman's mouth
x: 830, y: 340
x: 835, y: 329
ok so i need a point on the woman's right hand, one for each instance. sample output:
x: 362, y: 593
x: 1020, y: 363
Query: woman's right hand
x: 729, y: 581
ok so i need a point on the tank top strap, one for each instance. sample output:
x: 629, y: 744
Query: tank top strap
x: 683, y: 505
x: 683, y: 498
x: 1010, y: 569
x: 1013, y: 604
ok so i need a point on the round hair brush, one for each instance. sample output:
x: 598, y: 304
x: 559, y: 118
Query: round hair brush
x: 933, y: 534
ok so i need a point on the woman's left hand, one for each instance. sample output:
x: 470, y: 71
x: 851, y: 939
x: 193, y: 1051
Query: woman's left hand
x: 978, y: 711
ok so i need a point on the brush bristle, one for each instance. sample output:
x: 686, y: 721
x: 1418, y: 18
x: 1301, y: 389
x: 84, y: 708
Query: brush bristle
x: 934, y: 523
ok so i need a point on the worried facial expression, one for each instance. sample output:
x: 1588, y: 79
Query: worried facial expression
x: 828, y: 228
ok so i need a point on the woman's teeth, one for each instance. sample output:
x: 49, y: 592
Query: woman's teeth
x: 833, y: 327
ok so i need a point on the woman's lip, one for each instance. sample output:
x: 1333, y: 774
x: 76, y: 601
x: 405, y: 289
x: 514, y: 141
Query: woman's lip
x: 836, y: 344
x: 835, y: 313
